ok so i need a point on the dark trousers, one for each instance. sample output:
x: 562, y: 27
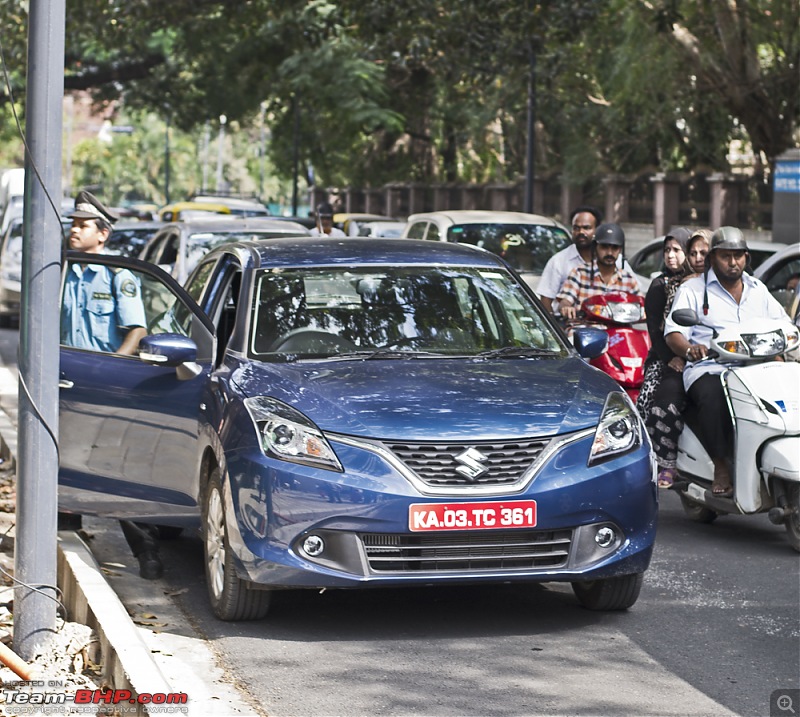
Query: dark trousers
x: 714, y: 425
x: 141, y: 537
x: 664, y: 421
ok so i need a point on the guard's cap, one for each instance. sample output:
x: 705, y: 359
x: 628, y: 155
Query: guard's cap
x: 87, y: 206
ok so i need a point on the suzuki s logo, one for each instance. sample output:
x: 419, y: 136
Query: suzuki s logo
x: 471, y: 461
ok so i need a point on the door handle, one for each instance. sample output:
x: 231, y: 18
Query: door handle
x: 65, y: 383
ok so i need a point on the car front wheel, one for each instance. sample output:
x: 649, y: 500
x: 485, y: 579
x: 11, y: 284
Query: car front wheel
x: 231, y: 597
x: 609, y: 593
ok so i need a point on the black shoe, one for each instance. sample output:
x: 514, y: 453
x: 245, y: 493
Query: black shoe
x: 69, y: 521
x: 150, y: 567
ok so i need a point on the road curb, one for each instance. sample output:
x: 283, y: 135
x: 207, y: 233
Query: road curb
x: 126, y: 660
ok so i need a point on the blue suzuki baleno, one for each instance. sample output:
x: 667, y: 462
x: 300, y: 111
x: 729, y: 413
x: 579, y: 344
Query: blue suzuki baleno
x: 361, y: 413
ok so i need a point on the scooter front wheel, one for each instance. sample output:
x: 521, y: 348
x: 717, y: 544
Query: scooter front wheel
x: 793, y: 521
x: 697, y: 512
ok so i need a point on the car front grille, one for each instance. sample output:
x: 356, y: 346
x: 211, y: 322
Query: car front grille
x: 488, y: 550
x: 436, y: 463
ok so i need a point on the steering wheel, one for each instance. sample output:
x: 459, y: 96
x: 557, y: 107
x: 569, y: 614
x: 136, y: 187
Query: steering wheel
x: 304, y: 340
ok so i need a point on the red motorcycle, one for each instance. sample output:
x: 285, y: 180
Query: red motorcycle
x: 628, y: 345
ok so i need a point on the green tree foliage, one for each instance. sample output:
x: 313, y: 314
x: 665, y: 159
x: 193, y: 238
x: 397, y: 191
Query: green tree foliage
x: 437, y: 90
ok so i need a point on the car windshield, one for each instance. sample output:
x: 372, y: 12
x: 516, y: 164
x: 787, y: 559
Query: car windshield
x: 383, y: 312
x: 526, y: 247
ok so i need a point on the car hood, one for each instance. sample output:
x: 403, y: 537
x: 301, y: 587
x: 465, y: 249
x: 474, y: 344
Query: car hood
x: 424, y: 399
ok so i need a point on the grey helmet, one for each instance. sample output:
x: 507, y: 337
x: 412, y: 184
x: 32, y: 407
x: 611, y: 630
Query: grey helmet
x: 609, y: 234
x: 728, y: 238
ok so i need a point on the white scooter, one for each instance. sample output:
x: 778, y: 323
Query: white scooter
x: 764, y: 398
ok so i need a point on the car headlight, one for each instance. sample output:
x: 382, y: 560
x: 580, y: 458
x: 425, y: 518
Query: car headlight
x: 287, y: 434
x: 618, y: 431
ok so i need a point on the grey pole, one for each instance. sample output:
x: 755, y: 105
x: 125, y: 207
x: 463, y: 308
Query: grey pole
x: 37, y: 451
x: 220, y: 150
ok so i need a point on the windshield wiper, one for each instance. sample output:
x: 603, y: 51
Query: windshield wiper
x: 516, y: 352
x: 381, y: 354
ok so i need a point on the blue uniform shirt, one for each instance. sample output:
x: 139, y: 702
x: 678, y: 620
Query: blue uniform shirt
x: 100, y: 306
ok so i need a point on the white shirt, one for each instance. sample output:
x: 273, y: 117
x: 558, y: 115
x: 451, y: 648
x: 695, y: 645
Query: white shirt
x: 315, y: 232
x: 723, y: 312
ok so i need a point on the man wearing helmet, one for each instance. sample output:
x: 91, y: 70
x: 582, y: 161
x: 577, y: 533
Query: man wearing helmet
x: 601, y: 276
x: 724, y: 296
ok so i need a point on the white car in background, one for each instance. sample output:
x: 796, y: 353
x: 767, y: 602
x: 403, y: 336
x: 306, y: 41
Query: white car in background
x: 781, y: 273
x: 525, y: 241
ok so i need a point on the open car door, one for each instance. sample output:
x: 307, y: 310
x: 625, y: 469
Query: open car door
x: 128, y: 424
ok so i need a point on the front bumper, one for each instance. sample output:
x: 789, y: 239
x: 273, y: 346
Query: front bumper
x: 591, y: 522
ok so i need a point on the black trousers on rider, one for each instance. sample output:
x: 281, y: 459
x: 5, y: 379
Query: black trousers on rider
x: 713, y: 424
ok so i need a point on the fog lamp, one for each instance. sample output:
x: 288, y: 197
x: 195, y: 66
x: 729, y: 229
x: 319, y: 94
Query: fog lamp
x: 605, y: 537
x: 313, y: 546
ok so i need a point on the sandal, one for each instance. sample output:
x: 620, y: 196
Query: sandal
x: 720, y: 490
x: 721, y: 486
x: 666, y: 477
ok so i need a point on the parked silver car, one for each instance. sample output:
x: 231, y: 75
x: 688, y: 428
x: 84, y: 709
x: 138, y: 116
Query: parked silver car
x: 525, y: 241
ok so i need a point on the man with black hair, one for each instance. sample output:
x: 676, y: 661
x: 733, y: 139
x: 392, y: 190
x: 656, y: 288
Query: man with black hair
x: 584, y: 220
x: 724, y: 296
x: 601, y: 275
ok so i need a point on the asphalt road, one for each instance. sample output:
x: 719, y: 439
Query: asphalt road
x: 715, y: 632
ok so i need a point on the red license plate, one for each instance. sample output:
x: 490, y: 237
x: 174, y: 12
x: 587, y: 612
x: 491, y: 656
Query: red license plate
x: 472, y: 516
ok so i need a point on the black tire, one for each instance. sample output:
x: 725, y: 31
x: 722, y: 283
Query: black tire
x: 169, y: 532
x: 231, y: 597
x: 609, y: 593
x: 696, y: 512
x: 793, y: 521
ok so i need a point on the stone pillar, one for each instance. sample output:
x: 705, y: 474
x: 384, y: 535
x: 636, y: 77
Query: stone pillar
x: 472, y: 196
x: 538, y: 195
x: 443, y: 197
x: 571, y: 197
x: 666, y: 202
x: 353, y: 201
x: 724, y: 202
x: 393, y: 202
x: 373, y: 201
x: 416, y: 199
x: 316, y: 195
x: 617, y: 190
x: 499, y: 197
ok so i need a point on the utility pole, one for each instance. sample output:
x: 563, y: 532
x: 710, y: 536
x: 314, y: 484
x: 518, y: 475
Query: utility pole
x: 37, y: 452
x: 295, y: 151
x: 220, y: 150
x: 166, y: 159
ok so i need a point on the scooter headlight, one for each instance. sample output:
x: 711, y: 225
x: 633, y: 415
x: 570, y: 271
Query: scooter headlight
x: 766, y: 344
x: 287, y: 434
x: 627, y: 313
x: 618, y: 431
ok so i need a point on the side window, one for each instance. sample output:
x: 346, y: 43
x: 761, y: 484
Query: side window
x: 197, y: 283
x: 153, y: 250
x: 227, y: 309
x: 783, y: 282
x: 433, y: 233
x: 417, y: 230
x: 109, y: 309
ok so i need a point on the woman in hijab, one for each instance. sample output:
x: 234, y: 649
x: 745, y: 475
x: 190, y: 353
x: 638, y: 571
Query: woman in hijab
x: 662, y: 408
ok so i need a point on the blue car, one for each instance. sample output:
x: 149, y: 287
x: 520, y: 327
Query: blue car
x: 340, y: 414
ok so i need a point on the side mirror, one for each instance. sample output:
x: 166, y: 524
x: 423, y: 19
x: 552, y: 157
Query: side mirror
x: 685, y: 317
x: 590, y: 342
x: 171, y: 350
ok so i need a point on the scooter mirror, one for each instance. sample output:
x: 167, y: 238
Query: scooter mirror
x: 685, y: 317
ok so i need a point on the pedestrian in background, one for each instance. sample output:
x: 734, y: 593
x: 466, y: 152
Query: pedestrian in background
x: 324, y: 227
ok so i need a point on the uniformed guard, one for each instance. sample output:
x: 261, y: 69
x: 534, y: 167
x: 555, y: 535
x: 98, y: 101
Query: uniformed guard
x: 102, y: 310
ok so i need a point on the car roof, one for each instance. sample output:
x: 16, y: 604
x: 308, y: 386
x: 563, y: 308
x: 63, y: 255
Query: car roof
x: 319, y: 251
x: 250, y: 224
x: 483, y: 216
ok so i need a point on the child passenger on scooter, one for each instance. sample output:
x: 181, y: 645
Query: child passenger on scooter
x: 662, y: 398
